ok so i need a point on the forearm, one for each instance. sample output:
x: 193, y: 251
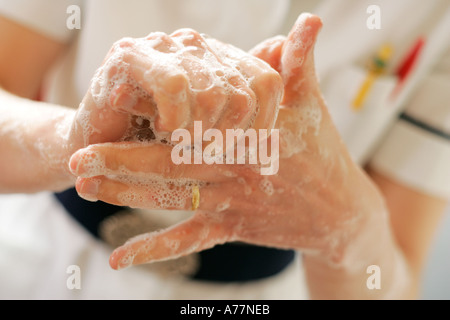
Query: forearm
x: 34, y: 147
x: 373, y: 244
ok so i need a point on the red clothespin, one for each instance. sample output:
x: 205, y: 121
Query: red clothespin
x: 407, y: 65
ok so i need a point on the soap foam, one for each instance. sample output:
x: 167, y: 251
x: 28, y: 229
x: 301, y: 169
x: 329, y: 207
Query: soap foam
x: 305, y: 118
x: 223, y: 205
x: 266, y: 186
x: 155, y: 192
x: 207, y: 70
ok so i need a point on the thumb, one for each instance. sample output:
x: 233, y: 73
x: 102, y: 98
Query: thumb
x: 270, y: 51
x: 297, y: 58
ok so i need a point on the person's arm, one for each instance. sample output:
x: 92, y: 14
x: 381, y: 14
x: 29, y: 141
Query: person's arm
x: 32, y: 155
x: 343, y: 220
x: 148, y: 75
x: 319, y: 202
x: 415, y: 217
x: 34, y: 150
x: 376, y: 244
x: 25, y: 57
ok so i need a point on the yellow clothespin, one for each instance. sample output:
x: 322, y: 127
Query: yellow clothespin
x: 377, y: 67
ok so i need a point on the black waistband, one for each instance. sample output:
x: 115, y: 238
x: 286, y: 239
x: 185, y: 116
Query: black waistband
x: 224, y: 263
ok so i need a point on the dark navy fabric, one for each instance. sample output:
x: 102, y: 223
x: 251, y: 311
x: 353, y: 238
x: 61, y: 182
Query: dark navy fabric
x: 425, y: 126
x: 230, y: 262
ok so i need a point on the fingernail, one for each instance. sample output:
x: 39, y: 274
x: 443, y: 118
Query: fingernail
x: 113, y: 262
x: 123, y: 101
x: 74, y: 161
x: 84, y: 161
x: 88, y: 189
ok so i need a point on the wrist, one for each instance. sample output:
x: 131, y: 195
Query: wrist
x: 63, y: 151
x: 364, y: 218
x: 367, y: 242
x: 53, y: 148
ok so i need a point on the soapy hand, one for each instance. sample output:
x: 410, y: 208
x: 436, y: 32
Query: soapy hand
x: 148, y: 87
x: 314, y: 203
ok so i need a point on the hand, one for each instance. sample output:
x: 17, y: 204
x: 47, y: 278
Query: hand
x: 148, y: 87
x: 315, y: 203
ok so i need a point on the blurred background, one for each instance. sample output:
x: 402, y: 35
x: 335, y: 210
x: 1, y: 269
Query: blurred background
x: 436, y: 279
x: 436, y: 282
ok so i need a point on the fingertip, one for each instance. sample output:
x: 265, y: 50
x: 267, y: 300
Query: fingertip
x: 84, y: 160
x: 160, y: 125
x: 74, y: 161
x: 122, y: 98
x: 88, y: 188
x: 310, y: 19
x: 298, y: 70
x: 78, y: 183
x: 304, y: 33
x: 116, y: 260
x: 166, y: 123
x: 270, y: 51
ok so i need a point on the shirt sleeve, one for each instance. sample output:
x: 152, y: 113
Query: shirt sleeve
x: 416, y: 151
x: 48, y: 17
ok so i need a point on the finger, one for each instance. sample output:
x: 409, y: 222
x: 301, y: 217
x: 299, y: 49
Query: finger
x: 297, y: 60
x: 268, y: 87
x: 94, y: 123
x: 193, y: 235
x: 125, y: 99
x: 148, y: 193
x: 162, y: 78
x: 141, y: 113
x: 208, y: 89
x: 269, y: 91
x: 138, y: 159
x: 242, y: 105
x: 270, y: 51
x: 122, y: 97
x: 262, y: 84
x: 162, y: 42
x: 162, y: 194
x: 191, y: 42
x: 205, y: 73
x: 95, y: 116
x: 241, y: 108
x: 209, y: 106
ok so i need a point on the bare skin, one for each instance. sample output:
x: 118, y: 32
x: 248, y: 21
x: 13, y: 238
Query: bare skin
x: 320, y: 202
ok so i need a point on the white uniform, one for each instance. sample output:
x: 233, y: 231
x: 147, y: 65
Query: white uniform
x: 39, y: 241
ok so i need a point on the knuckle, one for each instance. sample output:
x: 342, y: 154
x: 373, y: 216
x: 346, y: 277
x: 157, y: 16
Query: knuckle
x: 186, y: 32
x: 162, y: 42
x: 245, y: 99
x: 268, y: 82
x: 190, y: 37
x: 176, y: 83
x: 155, y: 35
x: 126, y: 42
x: 212, y: 101
x: 218, y: 93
